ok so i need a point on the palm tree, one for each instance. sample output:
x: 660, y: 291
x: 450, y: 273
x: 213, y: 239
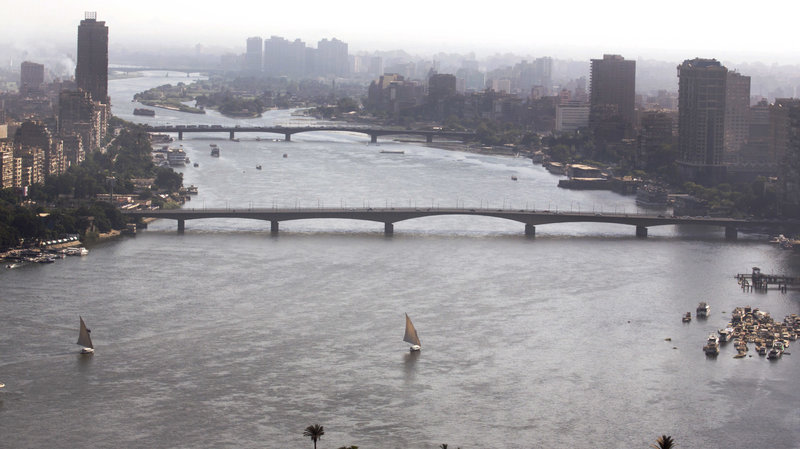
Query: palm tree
x: 314, y: 432
x: 664, y: 442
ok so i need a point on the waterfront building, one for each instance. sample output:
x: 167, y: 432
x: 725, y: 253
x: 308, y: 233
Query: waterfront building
x: 789, y: 174
x: 612, y: 97
x: 655, y: 137
x: 253, y: 57
x: 737, y: 115
x: 701, y: 120
x: 31, y: 78
x: 91, y: 71
x: 757, y: 146
x: 572, y: 116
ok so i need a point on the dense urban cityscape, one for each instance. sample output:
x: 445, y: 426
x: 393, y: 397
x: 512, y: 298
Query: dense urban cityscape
x: 660, y: 144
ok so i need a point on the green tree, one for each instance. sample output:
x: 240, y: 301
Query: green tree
x: 315, y: 432
x: 664, y: 442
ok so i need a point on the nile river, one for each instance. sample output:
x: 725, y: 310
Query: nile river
x: 226, y: 336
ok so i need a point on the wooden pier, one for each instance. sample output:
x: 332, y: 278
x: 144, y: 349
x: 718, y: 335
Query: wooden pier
x: 758, y: 281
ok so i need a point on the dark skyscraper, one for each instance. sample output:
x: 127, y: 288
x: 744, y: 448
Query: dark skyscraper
x: 31, y: 77
x: 701, y: 119
x: 91, y: 73
x: 612, y: 97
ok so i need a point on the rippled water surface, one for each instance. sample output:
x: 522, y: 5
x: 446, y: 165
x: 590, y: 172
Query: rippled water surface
x: 226, y: 336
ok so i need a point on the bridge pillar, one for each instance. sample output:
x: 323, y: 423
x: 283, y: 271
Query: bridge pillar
x: 388, y: 228
x: 429, y: 138
x: 180, y: 135
x: 373, y: 138
x: 287, y: 137
x: 641, y: 231
x: 273, y: 226
x: 181, y: 226
x: 232, y: 136
x: 731, y: 233
x: 530, y: 230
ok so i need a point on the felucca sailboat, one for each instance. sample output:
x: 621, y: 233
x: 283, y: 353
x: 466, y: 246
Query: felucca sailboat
x: 411, y: 335
x: 84, y: 339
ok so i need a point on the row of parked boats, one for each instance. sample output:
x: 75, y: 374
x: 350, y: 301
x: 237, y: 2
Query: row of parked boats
x: 750, y: 325
x: 18, y: 258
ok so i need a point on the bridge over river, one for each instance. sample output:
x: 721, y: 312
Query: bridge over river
x: 288, y: 131
x: 530, y: 218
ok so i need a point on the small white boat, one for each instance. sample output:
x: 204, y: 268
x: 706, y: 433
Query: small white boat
x: 411, y: 335
x: 84, y: 339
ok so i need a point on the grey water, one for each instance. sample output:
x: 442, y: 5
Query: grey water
x: 227, y: 336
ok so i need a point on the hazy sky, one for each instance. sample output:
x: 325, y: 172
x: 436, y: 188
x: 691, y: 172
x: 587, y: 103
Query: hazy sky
x: 672, y: 30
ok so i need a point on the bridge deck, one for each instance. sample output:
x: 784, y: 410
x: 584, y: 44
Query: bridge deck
x: 389, y: 216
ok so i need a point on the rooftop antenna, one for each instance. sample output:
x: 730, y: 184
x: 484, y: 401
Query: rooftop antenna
x: 90, y: 15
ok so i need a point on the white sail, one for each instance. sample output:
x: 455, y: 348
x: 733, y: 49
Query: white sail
x: 83, y: 336
x: 411, y: 333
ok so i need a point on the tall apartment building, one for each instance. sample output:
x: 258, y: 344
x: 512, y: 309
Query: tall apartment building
x: 332, y: 58
x: 6, y: 165
x: 284, y: 58
x: 737, y: 116
x: 276, y: 52
x: 612, y: 98
x: 78, y: 114
x: 789, y: 175
x: 91, y: 71
x: 31, y: 77
x: 701, y: 120
x: 253, y: 58
x: 655, y: 134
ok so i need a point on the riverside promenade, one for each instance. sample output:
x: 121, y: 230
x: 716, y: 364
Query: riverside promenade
x: 530, y: 218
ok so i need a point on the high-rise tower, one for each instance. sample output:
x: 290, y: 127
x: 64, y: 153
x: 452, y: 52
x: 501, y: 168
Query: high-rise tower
x: 253, y: 58
x: 701, y: 119
x: 91, y: 72
x: 612, y: 97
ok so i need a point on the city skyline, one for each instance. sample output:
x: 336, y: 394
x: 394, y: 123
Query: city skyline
x: 581, y: 32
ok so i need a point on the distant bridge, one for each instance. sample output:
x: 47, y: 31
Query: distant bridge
x: 389, y: 216
x: 287, y: 131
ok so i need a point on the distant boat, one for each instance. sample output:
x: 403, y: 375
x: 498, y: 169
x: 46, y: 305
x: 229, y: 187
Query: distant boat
x: 513, y: 177
x: 411, y: 335
x: 143, y: 111
x: 703, y: 309
x: 393, y: 152
x: 84, y: 339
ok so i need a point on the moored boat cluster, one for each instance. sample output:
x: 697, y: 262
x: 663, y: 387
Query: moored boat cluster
x: 750, y: 325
